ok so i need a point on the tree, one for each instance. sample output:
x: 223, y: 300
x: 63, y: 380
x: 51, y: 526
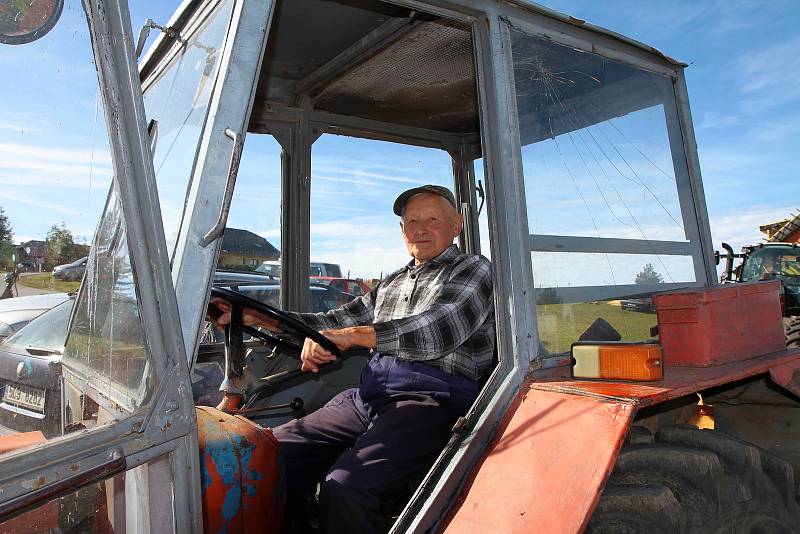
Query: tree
x: 648, y: 275
x: 59, y: 245
x: 6, y: 232
x: 548, y: 295
x: 6, y: 245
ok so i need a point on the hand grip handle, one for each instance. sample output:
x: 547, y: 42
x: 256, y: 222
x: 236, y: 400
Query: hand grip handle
x: 233, y: 168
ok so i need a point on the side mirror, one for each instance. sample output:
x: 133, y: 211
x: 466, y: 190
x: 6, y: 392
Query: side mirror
x: 24, y: 22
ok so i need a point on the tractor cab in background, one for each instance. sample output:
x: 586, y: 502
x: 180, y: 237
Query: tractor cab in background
x: 571, y: 153
x: 774, y: 261
x: 771, y: 261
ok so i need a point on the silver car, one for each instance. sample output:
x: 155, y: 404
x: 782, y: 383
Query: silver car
x: 19, y: 311
x: 71, y: 271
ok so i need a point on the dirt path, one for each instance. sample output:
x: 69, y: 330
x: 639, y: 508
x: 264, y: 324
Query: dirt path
x: 22, y: 290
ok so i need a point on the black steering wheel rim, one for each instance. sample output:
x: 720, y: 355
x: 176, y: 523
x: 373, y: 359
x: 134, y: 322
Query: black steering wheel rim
x: 239, y: 302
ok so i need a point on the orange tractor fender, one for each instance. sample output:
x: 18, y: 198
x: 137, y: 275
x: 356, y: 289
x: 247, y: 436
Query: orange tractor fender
x: 546, y: 468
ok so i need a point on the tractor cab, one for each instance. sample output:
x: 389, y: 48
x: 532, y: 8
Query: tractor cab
x: 774, y: 261
x: 278, y: 133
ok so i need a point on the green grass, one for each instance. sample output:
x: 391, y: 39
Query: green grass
x: 46, y: 281
x: 560, y: 325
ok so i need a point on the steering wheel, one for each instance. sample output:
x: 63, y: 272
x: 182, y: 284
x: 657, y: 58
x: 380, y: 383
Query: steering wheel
x: 235, y: 330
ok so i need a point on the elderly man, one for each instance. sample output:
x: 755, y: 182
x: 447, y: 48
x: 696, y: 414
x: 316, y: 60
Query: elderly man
x: 431, y: 327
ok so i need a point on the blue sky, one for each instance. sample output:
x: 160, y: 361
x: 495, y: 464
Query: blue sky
x: 742, y: 81
x: 743, y: 88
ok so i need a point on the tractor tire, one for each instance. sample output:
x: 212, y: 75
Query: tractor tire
x: 791, y: 327
x: 688, y: 480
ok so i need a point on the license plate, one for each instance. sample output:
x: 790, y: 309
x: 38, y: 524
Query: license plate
x: 24, y: 396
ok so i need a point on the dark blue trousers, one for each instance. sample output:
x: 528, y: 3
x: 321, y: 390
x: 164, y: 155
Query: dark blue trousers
x: 367, y: 442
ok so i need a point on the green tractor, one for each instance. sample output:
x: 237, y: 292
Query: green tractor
x: 771, y: 261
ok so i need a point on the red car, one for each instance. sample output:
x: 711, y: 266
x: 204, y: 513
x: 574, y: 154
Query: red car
x: 345, y: 285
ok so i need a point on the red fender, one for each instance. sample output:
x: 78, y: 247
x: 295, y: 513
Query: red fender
x: 547, y: 467
x: 545, y: 472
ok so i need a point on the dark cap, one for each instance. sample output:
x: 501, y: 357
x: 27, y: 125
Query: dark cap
x: 443, y: 192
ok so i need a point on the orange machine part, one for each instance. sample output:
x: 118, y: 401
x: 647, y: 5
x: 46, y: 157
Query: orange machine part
x: 241, y: 475
x: 636, y: 362
x: 546, y: 469
x: 566, y: 445
x: 617, y: 361
x: 12, y: 442
x: 715, y: 325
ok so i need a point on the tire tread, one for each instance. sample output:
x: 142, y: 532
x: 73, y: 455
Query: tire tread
x: 688, y: 480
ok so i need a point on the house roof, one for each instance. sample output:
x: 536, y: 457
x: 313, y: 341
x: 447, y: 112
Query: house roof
x: 780, y: 231
x: 246, y: 243
x: 38, y: 248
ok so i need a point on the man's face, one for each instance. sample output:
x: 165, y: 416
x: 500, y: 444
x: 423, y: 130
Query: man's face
x: 429, y: 225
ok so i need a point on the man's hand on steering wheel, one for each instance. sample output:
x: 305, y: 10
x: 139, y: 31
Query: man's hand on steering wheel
x: 318, y: 348
x: 236, y: 314
x: 250, y: 317
x: 313, y: 354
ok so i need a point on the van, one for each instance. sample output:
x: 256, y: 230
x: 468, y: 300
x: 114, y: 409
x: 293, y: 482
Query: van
x: 273, y: 268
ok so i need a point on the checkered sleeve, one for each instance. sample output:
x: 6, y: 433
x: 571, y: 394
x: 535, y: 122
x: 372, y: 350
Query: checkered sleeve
x: 458, y: 311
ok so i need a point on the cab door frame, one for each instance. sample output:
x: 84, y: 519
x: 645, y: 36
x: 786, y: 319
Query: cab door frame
x: 164, y: 426
x: 216, y: 164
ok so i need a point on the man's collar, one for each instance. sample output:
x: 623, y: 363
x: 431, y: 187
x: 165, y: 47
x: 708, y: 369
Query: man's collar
x: 448, y: 255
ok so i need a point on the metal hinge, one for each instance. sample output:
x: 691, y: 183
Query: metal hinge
x: 144, y: 33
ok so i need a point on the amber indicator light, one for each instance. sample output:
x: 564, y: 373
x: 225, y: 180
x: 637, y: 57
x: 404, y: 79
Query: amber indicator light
x: 618, y: 361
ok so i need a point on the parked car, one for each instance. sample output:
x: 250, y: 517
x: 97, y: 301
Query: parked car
x: 226, y: 277
x: 322, y: 297
x: 270, y: 267
x: 266, y: 289
x: 18, y: 311
x: 324, y: 269
x: 30, y: 374
x: 345, y: 285
x: 30, y: 360
x: 641, y: 305
x: 273, y: 267
x: 71, y: 271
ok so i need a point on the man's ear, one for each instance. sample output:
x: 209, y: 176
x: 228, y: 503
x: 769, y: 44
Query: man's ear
x: 458, y: 224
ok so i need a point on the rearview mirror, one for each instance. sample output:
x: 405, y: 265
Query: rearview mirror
x: 23, y: 22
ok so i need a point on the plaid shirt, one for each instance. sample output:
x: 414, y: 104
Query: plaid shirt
x: 440, y: 313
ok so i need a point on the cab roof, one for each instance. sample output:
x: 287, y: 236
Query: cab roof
x: 374, y: 60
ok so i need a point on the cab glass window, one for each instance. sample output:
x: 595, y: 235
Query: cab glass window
x: 101, y: 506
x: 606, y: 190
x: 354, y: 185
x: 45, y: 335
x: 771, y: 262
x: 56, y: 169
x: 55, y: 164
x: 178, y: 101
x: 252, y: 240
x: 106, y: 364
